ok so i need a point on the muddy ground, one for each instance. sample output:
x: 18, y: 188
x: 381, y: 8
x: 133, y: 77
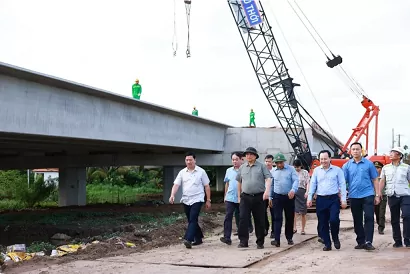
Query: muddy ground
x: 214, y: 257
x: 148, y: 225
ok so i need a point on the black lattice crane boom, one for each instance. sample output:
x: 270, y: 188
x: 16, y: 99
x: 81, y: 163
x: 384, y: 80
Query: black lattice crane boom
x: 272, y: 73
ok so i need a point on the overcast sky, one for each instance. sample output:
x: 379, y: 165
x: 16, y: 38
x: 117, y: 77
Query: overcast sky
x: 107, y: 44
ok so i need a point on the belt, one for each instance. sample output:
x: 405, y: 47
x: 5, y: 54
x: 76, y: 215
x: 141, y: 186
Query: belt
x: 253, y: 194
x: 327, y: 196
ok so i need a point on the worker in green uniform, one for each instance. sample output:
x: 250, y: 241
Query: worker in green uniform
x: 136, y: 90
x: 195, y: 111
x: 252, y: 118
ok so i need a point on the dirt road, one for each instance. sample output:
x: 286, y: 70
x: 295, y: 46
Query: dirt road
x: 306, y: 256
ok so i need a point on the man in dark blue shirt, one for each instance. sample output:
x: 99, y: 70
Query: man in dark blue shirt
x: 361, y: 175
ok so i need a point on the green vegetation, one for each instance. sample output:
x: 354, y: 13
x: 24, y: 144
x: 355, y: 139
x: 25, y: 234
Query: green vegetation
x: 104, y: 185
x: 40, y: 246
x: 90, y: 218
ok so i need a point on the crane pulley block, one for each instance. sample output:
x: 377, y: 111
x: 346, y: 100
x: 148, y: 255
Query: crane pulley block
x: 337, y: 60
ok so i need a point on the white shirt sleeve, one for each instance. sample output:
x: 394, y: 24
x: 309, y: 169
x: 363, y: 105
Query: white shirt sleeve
x: 178, y: 179
x: 204, y: 178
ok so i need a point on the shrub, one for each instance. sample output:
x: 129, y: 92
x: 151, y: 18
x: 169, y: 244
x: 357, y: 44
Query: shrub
x: 36, y: 193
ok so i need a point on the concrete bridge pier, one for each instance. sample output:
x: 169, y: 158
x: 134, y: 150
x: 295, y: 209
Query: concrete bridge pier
x: 72, y: 186
x: 170, y: 173
x: 220, y: 176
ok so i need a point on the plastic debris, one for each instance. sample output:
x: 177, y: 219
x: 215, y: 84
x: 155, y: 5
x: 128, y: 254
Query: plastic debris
x: 16, y: 248
x: 128, y: 244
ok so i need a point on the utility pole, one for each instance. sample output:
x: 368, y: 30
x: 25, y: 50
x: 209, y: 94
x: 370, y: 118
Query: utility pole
x: 392, y: 138
x: 398, y: 138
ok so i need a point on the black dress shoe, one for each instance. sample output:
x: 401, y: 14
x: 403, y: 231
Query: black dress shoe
x: 290, y: 242
x: 320, y: 240
x: 327, y: 248
x: 359, y: 246
x: 275, y: 243
x: 197, y: 241
x: 369, y: 246
x: 337, y: 244
x: 226, y: 241
x: 260, y: 246
x: 242, y: 245
x: 397, y: 245
x: 187, y: 244
x: 272, y: 234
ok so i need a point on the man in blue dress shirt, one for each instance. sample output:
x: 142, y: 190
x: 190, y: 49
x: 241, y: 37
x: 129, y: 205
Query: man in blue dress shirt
x: 327, y: 181
x: 285, y: 183
x: 361, y: 176
x: 231, y: 198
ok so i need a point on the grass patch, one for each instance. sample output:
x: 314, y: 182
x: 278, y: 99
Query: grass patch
x: 99, y: 193
x: 96, y: 194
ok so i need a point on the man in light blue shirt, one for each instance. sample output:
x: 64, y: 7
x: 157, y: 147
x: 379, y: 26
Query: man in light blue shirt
x: 231, y: 198
x: 361, y: 176
x: 285, y: 183
x: 327, y: 181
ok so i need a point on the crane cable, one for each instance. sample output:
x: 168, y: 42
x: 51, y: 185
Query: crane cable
x: 174, y: 37
x: 300, y: 68
x: 320, y: 37
x: 353, y: 86
x: 311, y: 34
x: 188, y: 19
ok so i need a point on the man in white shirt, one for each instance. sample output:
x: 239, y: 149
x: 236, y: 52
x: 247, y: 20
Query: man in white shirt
x: 270, y: 165
x: 194, y: 181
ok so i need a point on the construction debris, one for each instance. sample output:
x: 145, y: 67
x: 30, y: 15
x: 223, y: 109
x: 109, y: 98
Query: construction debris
x: 17, y: 252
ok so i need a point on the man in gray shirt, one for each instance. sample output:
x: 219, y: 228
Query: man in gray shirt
x: 254, y: 181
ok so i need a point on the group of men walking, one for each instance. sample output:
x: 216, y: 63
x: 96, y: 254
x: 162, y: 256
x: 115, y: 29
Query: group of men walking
x: 253, y: 188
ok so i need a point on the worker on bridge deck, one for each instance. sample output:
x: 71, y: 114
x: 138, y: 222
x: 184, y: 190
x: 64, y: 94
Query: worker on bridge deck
x: 252, y: 119
x: 195, y: 112
x: 136, y: 90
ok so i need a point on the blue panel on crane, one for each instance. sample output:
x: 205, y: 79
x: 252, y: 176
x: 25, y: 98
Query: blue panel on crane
x: 252, y: 12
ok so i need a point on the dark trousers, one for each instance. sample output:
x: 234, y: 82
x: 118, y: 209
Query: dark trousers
x: 327, y: 211
x: 380, y: 212
x: 251, y: 204
x: 237, y: 218
x: 194, y: 231
x: 396, y: 204
x: 230, y: 209
x: 358, y: 206
x: 319, y: 227
x: 272, y: 215
x: 283, y: 203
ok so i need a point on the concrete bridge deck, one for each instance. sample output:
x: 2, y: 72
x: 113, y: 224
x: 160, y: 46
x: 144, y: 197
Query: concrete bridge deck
x: 44, y: 116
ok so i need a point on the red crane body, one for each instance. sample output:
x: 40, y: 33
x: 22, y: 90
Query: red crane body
x: 362, y: 128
